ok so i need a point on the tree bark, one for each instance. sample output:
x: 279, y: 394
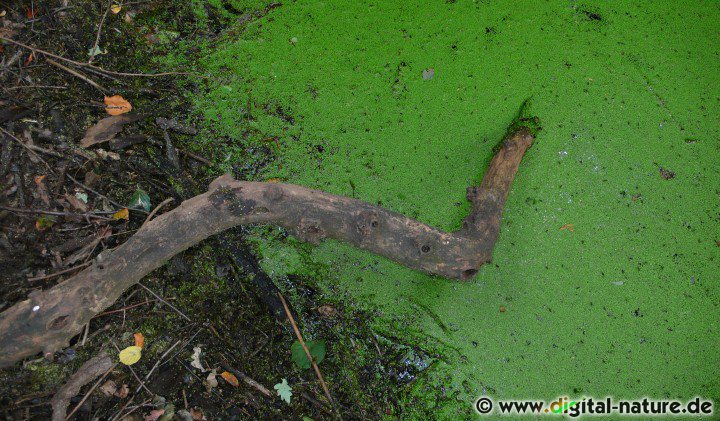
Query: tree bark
x: 48, y: 319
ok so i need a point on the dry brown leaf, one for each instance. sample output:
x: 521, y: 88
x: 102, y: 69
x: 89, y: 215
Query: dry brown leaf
x: 197, y: 414
x: 230, y: 378
x: 107, y: 128
x: 76, y: 203
x: 108, y: 388
x: 139, y: 339
x: 327, y: 311
x: 116, y: 105
x: 569, y: 227
x: 42, y: 190
x: 122, y: 214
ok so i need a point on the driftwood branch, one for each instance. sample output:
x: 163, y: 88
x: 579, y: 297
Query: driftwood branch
x: 48, y: 319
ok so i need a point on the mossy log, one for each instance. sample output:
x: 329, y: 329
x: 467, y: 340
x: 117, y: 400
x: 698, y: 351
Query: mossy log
x: 47, y: 320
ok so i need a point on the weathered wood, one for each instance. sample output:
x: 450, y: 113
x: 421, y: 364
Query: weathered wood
x: 48, y: 319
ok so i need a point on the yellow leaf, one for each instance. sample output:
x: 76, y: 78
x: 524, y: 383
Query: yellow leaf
x: 230, y: 378
x: 130, y: 355
x: 272, y: 180
x: 122, y: 214
x: 139, y: 340
x: 116, y: 105
x: 115, y: 8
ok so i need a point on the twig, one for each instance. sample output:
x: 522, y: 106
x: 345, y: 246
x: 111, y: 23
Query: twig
x: 35, y: 87
x: 307, y: 352
x: 126, y: 308
x: 157, y: 208
x: 94, y: 367
x: 162, y: 300
x: 99, y: 69
x: 52, y: 275
x: 55, y: 213
x: 78, y: 75
x: 97, y: 37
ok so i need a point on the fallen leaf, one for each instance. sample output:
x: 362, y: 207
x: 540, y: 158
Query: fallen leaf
x: 3, y: 13
x: 96, y: 51
x: 299, y: 357
x: 130, y: 355
x: 42, y: 189
x: 195, y: 359
x: 105, y: 154
x: 140, y: 200
x: 83, y: 197
x: 31, y: 12
x: 115, y: 8
x: 230, y: 378
x: 116, y: 105
x: 30, y: 59
x: 428, y: 74
x: 106, y: 129
x: 327, y: 311
x: 76, y: 203
x: 122, y: 214
x: 197, y: 414
x: 154, y: 414
x: 284, y: 390
x: 569, y: 227
x: 272, y: 180
x: 139, y: 340
x: 211, y: 381
x: 108, y: 388
x: 44, y: 222
x: 502, y: 309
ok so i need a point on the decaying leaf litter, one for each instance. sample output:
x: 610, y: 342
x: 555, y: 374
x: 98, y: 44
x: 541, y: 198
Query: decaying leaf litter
x: 93, y: 146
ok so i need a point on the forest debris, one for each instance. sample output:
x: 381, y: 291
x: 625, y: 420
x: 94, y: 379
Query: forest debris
x: 569, y: 227
x: 42, y: 190
x: 116, y: 105
x: 211, y: 381
x: 123, y: 213
x: 230, y: 378
x: 312, y: 216
x: 139, y: 339
x: 666, y: 174
x: 76, y: 203
x: 130, y: 355
x: 284, y: 390
x: 195, y: 359
x: 94, y: 367
x: 106, y: 129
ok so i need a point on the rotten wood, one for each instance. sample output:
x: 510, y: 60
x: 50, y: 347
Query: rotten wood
x: 48, y: 319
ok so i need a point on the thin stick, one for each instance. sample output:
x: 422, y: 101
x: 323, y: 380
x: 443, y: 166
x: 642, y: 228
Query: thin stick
x: 77, y: 75
x: 162, y: 300
x: 125, y: 308
x: 157, y: 208
x: 52, y: 275
x: 82, y: 401
x: 307, y: 352
x: 90, y: 66
x: 97, y: 37
x: 54, y: 213
x: 35, y: 87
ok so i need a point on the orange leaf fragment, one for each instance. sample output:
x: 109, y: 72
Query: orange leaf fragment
x: 116, y: 105
x: 569, y: 227
x: 139, y: 339
x: 122, y: 214
x: 230, y: 378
